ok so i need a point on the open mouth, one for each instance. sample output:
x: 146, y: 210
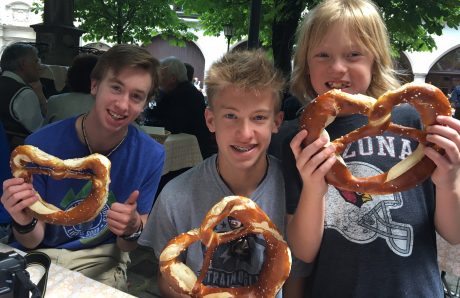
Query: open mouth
x: 338, y: 85
x: 116, y: 116
x: 243, y: 149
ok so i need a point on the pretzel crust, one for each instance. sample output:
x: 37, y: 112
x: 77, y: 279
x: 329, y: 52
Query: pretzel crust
x: 99, y: 165
x: 275, y: 269
x: 428, y: 100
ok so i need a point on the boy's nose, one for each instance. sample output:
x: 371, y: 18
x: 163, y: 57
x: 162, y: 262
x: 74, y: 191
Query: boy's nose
x: 123, y: 101
x: 338, y: 65
x: 245, y: 129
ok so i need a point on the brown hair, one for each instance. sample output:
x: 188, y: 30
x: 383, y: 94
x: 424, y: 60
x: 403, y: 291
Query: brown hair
x: 249, y: 70
x: 122, y: 56
x: 363, y: 20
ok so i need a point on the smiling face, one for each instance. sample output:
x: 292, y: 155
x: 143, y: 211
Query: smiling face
x: 340, y: 62
x: 120, y: 98
x: 243, y: 122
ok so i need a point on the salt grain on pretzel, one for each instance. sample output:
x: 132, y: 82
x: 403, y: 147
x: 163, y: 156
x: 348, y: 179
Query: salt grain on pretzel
x: 28, y: 160
x: 275, y: 269
x: 428, y: 100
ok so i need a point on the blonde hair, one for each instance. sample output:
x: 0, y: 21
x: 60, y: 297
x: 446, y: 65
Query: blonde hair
x: 248, y: 70
x: 363, y: 20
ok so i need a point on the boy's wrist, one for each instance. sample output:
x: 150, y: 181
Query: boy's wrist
x: 134, y: 236
x: 24, y: 229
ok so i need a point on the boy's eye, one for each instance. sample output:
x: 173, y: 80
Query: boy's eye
x: 137, y: 97
x: 116, y: 88
x: 322, y: 55
x: 260, y: 117
x: 354, y: 55
x: 230, y: 116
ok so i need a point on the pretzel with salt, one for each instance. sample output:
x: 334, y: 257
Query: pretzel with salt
x: 28, y: 160
x: 428, y: 100
x: 277, y: 262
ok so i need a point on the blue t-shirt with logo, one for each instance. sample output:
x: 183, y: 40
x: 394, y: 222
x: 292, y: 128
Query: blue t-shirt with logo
x: 136, y: 165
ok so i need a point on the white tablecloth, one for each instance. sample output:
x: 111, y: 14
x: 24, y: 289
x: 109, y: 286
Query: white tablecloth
x: 448, y: 256
x: 66, y: 283
x: 182, y: 151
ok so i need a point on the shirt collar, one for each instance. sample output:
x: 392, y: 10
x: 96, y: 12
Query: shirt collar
x: 13, y: 76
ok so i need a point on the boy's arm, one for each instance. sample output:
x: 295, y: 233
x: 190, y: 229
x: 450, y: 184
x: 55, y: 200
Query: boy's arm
x: 129, y: 245
x: 32, y: 239
x: 305, y: 229
x: 446, y: 176
x: 17, y: 196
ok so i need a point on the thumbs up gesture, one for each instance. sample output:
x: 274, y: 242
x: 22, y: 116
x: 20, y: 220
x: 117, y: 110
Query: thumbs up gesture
x: 123, y: 218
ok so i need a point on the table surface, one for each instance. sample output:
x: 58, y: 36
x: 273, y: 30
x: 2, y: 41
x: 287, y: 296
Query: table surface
x: 182, y: 151
x: 63, y: 282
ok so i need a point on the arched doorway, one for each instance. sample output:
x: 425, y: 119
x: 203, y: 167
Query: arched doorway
x: 403, y: 69
x: 191, y: 54
x: 445, y: 73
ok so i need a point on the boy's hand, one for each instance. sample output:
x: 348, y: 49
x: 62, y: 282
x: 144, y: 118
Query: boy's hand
x: 17, y: 196
x: 123, y: 218
x: 313, y: 161
x: 446, y: 135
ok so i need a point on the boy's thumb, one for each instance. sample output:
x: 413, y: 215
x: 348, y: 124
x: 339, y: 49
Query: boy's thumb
x: 132, y: 198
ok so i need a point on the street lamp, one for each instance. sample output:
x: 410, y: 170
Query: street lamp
x: 229, y: 31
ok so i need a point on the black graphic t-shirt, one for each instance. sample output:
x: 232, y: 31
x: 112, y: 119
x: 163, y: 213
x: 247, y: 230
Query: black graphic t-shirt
x: 373, y: 245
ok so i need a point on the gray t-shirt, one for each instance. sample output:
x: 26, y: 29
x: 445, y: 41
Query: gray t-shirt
x: 183, y: 204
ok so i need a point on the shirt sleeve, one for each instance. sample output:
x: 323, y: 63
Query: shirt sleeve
x: 159, y: 228
x: 26, y: 109
x: 150, y: 186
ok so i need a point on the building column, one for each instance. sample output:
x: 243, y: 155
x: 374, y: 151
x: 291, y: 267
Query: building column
x: 57, y: 34
x: 420, y: 77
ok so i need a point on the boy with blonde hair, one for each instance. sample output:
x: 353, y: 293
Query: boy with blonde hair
x: 244, y: 92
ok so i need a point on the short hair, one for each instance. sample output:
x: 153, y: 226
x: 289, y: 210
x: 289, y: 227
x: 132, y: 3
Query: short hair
x: 13, y: 54
x: 360, y: 17
x: 174, y: 67
x: 79, y: 73
x: 190, y: 71
x: 245, y: 69
x: 123, y: 56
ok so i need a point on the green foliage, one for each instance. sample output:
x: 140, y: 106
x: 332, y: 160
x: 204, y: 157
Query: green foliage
x: 129, y: 21
x: 410, y: 22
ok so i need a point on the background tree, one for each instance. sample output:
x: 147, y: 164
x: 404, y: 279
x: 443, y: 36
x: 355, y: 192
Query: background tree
x: 410, y: 22
x: 127, y: 21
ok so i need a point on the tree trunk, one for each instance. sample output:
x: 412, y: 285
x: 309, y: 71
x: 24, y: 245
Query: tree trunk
x: 283, y: 29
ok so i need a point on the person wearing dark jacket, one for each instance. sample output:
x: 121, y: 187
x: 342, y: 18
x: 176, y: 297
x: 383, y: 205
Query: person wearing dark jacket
x: 180, y: 106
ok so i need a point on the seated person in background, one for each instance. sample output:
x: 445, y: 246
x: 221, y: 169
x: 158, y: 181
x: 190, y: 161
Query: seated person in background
x: 244, y: 92
x: 455, y: 101
x: 5, y: 173
x: 180, y: 108
x: 22, y: 102
x: 123, y: 79
x: 190, y: 71
x: 79, y: 100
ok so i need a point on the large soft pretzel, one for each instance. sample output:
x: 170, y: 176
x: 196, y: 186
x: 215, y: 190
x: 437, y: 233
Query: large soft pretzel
x: 28, y: 160
x: 428, y: 100
x: 274, y: 272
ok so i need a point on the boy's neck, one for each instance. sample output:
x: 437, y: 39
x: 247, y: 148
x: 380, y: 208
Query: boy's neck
x: 242, y: 182
x: 96, y: 138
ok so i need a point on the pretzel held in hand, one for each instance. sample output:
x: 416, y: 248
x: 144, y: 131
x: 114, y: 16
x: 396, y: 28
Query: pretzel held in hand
x: 95, y: 167
x: 275, y: 269
x: 428, y: 100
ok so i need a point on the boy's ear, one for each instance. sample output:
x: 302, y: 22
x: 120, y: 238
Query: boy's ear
x: 277, y: 121
x: 94, y: 85
x: 209, y: 116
